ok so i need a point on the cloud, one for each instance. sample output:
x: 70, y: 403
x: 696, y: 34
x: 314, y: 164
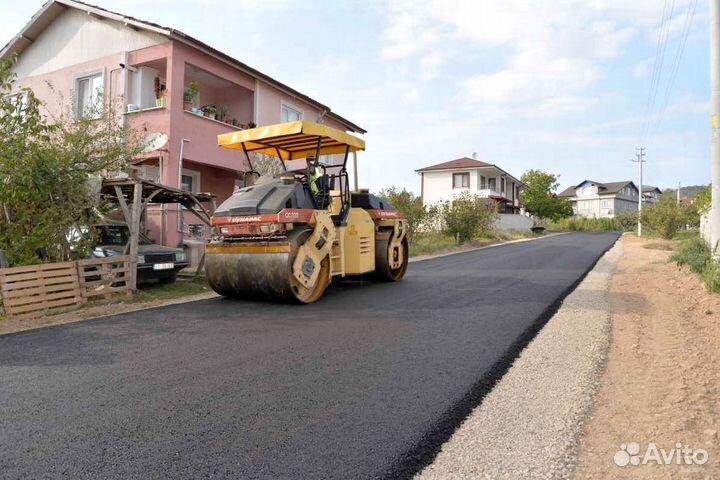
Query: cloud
x: 556, y: 48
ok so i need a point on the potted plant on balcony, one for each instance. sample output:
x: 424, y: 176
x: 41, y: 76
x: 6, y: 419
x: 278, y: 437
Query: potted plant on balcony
x: 211, y: 112
x: 191, y: 92
x: 160, y: 96
x: 222, y: 114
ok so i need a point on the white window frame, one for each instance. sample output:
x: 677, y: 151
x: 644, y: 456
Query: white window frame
x: 495, y: 182
x: 12, y: 98
x: 463, y: 176
x: 289, y: 106
x: 196, y: 178
x: 76, y: 97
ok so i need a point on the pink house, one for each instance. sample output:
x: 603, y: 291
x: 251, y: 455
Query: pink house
x: 84, y: 52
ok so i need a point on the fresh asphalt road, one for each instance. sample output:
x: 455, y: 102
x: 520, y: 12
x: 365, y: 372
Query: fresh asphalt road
x: 366, y: 383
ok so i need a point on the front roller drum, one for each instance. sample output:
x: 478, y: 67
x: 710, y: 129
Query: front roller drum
x: 257, y: 272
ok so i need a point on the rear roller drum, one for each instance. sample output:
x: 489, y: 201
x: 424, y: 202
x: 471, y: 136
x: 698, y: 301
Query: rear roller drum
x: 383, y: 271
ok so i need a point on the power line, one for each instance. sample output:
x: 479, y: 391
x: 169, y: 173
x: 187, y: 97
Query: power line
x: 660, y: 49
x: 658, y: 81
x: 687, y: 27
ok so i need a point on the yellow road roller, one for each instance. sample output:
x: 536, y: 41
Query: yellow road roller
x: 286, y: 236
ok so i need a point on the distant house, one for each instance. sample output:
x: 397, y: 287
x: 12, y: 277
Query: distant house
x: 592, y: 199
x: 651, y: 194
x: 445, y: 181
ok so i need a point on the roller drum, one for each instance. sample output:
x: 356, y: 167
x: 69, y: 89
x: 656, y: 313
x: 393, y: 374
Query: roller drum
x: 263, y: 276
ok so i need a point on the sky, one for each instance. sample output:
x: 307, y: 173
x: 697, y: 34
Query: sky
x: 565, y: 86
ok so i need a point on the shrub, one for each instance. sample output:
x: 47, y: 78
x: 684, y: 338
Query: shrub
x: 711, y: 277
x: 694, y: 253
x: 411, y: 207
x: 467, y: 216
x: 666, y: 217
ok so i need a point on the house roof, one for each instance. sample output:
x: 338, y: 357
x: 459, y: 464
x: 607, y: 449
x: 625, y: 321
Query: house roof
x: 53, y: 8
x: 463, y: 162
x: 604, y: 188
x: 650, y: 188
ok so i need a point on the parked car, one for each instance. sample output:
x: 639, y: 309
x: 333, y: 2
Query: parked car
x: 155, y: 262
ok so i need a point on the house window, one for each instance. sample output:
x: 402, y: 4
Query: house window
x: 492, y: 183
x: 603, y: 204
x: 461, y: 180
x: 289, y: 114
x: 190, y: 181
x: 89, y: 93
x: 483, y: 182
x: 150, y: 173
x: 502, y: 185
x: 19, y: 101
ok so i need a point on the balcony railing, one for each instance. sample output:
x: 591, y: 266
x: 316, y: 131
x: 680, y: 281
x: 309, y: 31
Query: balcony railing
x: 487, y: 193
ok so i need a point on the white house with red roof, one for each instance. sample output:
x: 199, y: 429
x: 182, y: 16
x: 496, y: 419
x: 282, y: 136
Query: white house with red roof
x: 445, y: 181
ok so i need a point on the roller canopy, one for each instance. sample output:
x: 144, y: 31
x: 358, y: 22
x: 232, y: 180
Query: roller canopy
x: 291, y: 141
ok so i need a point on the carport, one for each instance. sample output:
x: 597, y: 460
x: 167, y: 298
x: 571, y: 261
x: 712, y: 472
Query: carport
x: 134, y: 196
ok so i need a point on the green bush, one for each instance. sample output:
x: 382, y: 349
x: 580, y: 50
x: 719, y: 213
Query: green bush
x: 711, y: 277
x: 468, y: 216
x: 411, y: 207
x: 694, y: 253
x: 666, y: 217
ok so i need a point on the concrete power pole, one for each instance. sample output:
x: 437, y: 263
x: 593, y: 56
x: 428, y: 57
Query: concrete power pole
x: 640, y: 159
x: 715, y: 100
x: 678, y: 193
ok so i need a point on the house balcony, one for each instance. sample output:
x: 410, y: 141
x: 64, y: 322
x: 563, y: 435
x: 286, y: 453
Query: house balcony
x: 489, y: 193
x: 217, y: 100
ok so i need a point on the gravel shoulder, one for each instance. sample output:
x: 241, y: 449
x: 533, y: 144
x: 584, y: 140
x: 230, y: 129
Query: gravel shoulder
x: 662, y: 381
x: 528, y: 426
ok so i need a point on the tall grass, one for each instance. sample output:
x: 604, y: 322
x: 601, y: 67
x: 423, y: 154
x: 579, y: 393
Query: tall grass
x: 578, y: 224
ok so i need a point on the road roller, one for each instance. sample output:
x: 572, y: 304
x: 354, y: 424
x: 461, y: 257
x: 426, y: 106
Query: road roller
x: 286, y: 236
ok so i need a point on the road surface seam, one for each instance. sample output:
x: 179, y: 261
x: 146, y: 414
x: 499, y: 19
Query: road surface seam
x: 529, y: 424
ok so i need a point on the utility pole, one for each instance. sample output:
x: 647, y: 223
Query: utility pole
x: 678, y: 194
x: 640, y: 159
x: 715, y: 100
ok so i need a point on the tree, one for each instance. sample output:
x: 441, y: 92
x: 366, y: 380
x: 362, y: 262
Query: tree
x: 539, y: 197
x: 45, y: 166
x: 467, y: 216
x: 411, y: 208
x: 666, y: 217
x: 703, y: 199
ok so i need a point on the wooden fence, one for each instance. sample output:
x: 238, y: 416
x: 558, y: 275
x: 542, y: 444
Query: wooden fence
x: 103, y: 277
x: 27, y: 292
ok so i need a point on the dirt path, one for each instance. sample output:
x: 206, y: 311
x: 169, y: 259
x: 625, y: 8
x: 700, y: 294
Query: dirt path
x: 661, y: 381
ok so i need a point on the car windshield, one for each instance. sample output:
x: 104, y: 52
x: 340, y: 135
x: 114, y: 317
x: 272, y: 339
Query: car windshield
x: 118, y: 235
